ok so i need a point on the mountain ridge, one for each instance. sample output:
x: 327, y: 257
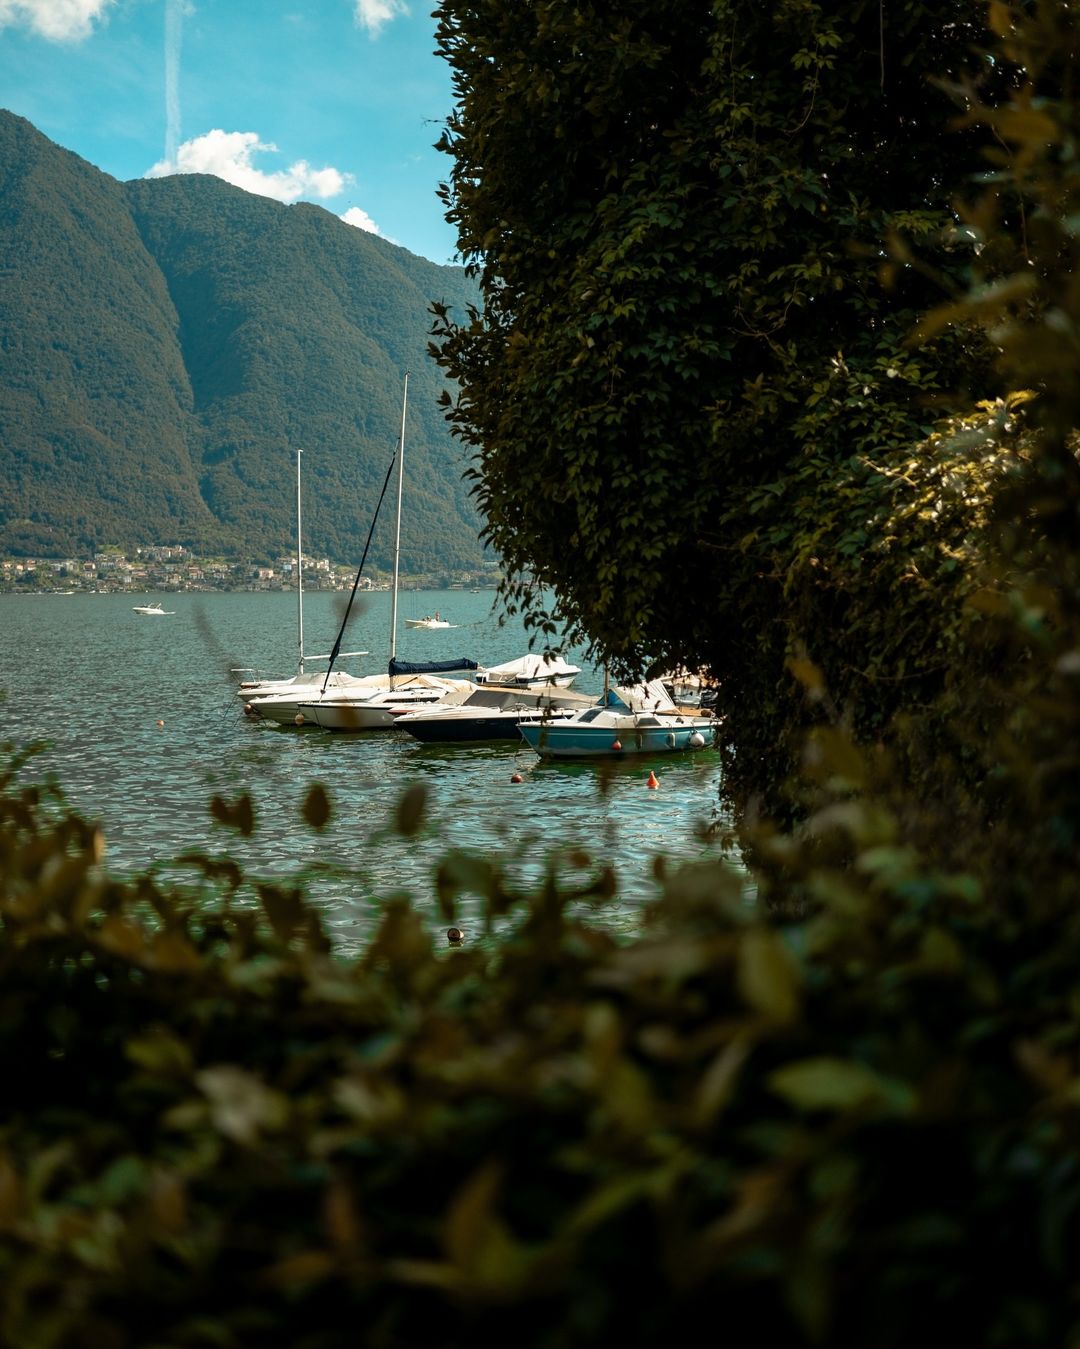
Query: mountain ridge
x: 169, y: 344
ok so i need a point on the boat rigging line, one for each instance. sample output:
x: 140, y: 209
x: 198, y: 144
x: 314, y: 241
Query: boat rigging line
x: 360, y: 570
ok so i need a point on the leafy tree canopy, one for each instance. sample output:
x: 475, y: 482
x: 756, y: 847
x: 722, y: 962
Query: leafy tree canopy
x: 704, y: 236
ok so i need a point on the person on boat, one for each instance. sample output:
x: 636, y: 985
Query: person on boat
x: 436, y: 615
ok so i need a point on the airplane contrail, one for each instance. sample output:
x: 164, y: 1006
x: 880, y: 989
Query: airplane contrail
x: 173, y: 14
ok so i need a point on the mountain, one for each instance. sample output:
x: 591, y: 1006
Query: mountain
x: 167, y: 346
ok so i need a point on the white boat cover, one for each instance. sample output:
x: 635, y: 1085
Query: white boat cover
x: 532, y: 666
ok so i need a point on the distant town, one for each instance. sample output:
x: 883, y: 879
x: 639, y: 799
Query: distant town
x: 174, y: 568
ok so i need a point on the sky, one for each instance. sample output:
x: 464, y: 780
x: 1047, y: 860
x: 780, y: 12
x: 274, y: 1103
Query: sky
x: 337, y: 102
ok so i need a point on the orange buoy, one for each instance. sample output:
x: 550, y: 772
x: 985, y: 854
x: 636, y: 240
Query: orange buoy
x: 616, y: 744
x: 516, y: 777
x: 161, y: 723
x: 653, y: 780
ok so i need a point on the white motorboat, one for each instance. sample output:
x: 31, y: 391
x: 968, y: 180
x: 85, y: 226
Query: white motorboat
x: 690, y: 688
x: 531, y: 672
x: 283, y: 704
x: 306, y: 685
x: 153, y: 610
x: 489, y: 713
x: 641, y: 719
x: 380, y: 710
x: 435, y: 622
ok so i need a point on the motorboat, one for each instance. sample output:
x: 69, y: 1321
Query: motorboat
x: 531, y: 672
x: 153, y: 610
x: 641, y: 719
x: 489, y: 713
x: 435, y: 622
x: 306, y: 684
x: 381, y: 710
x: 690, y: 688
x: 281, y: 701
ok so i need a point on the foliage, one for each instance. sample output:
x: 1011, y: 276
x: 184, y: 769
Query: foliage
x: 168, y: 346
x: 845, y: 1115
x: 214, y: 1133
x: 692, y: 406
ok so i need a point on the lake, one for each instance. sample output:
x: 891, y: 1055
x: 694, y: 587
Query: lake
x: 94, y: 679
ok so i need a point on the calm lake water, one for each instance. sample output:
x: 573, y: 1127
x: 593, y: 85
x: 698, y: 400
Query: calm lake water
x: 93, y: 679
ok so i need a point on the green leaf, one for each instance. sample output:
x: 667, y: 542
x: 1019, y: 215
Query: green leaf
x: 767, y: 975
x: 825, y: 1083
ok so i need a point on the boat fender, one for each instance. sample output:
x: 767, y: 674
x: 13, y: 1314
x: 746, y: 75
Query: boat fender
x: 616, y: 744
x: 249, y: 711
x: 671, y: 739
x: 696, y: 740
x: 298, y: 720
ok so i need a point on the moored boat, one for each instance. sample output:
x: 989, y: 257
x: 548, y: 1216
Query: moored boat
x: 281, y: 703
x: 531, y: 672
x: 380, y: 710
x: 641, y: 719
x: 303, y: 683
x: 489, y: 713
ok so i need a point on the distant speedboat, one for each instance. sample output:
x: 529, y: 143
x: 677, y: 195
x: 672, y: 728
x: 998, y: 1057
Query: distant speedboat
x: 435, y: 622
x: 154, y: 609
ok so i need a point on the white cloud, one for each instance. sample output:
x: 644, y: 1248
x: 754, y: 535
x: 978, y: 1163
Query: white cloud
x: 372, y: 14
x: 57, y: 20
x: 228, y: 155
x: 360, y: 218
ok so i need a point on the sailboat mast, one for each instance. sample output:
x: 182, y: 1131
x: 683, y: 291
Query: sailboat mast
x: 299, y: 571
x: 397, y: 526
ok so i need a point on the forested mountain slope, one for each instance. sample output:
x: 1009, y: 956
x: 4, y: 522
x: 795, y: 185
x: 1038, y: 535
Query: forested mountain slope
x: 169, y: 344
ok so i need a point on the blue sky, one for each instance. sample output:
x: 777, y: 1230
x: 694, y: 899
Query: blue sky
x: 337, y: 102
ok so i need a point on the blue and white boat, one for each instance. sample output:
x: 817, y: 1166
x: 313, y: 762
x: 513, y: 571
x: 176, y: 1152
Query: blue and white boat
x: 638, y: 720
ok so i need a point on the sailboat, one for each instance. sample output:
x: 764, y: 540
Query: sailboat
x: 303, y: 682
x: 405, y: 686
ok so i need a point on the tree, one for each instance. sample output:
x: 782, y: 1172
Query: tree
x: 688, y: 393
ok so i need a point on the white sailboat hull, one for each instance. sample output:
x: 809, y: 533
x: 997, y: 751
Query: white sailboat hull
x: 380, y: 711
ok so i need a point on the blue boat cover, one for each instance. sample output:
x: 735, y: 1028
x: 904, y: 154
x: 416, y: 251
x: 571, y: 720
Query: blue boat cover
x: 410, y: 667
